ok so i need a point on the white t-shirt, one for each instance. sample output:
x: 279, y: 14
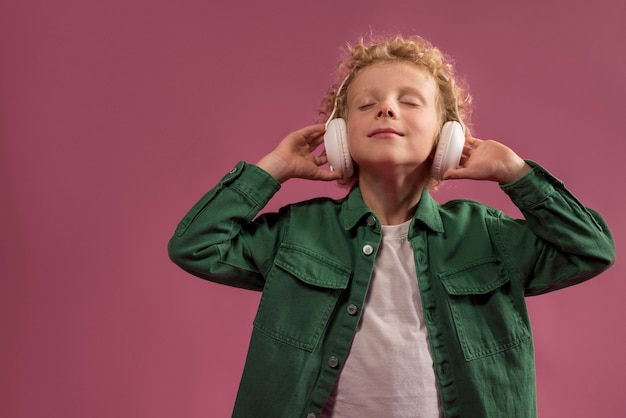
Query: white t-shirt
x: 389, y: 370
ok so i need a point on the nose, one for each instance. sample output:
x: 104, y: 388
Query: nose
x: 386, y: 111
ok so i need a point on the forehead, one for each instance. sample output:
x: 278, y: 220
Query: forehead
x: 392, y: 75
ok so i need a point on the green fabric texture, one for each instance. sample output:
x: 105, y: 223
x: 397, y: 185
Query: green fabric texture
x: 313, y: 262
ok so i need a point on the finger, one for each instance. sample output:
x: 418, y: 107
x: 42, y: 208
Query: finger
x: 321, y: 160
x: 312, y: 131
x: 316, y: 141
x: 327, y: 175
x: 472, y: 142
x: 455, y: 173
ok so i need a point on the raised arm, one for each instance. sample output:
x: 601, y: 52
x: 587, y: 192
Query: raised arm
x: 221, y: 239
x: 569, y: 243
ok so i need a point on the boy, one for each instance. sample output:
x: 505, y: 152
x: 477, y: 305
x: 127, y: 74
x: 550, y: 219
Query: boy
x: 385, y: 303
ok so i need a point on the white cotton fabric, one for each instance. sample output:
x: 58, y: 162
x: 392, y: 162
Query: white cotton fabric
x: 389, y: 370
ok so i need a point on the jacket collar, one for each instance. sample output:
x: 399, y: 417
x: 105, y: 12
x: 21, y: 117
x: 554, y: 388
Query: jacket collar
x: 353, y: 210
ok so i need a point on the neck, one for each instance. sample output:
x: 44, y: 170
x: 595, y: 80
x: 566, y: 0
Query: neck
x: 392, y: 198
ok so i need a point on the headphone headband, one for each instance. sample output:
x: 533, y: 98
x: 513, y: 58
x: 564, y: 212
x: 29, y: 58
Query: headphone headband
x: 332, y: 114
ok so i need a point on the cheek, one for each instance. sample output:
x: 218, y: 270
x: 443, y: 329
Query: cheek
x: 431, y: 128
x: 352, y: 122
x: 352, y: 130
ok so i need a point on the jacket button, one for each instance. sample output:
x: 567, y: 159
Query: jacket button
x: 333, y: 361
x: 311, y: 415
x: 368, y: 249
x: 371, y: 220
x: 352, y: 309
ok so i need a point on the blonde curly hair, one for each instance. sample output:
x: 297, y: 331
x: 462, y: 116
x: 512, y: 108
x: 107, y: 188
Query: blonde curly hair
x: 453, y: 101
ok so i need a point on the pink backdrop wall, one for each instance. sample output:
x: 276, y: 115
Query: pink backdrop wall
x: 115, y: 116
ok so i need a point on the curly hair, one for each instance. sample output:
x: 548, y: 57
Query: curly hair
x: 453, y: 102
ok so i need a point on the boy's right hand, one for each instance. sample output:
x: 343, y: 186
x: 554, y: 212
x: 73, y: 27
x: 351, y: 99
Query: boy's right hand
x: 294, y: 158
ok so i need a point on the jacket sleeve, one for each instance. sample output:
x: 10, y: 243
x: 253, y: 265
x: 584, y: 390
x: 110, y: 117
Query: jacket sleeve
x: 219, y: 240
x: 571, y: 243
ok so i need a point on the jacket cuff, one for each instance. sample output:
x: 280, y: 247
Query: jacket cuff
x: 252, y: 181
x: 533, y: 188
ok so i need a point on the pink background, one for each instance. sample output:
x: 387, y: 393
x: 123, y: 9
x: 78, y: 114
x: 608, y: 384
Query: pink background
x: 116, y: 116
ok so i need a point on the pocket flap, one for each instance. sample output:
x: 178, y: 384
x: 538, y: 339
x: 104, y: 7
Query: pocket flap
x: 312, y: 268
x: 476, y: 278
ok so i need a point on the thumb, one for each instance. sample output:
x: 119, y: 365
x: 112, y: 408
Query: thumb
x: 455, y: 173
x: 327, y: 175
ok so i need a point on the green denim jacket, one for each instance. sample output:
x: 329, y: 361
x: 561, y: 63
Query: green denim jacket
x: 313, y: 261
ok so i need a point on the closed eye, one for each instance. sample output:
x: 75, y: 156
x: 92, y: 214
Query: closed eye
x: 366, y: 106
x: 410, y: 100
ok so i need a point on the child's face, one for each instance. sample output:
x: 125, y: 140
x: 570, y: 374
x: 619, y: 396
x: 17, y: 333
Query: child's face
x: 392, y: 116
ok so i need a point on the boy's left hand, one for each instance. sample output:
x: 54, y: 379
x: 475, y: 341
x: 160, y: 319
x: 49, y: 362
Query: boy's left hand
x: 488, y: 160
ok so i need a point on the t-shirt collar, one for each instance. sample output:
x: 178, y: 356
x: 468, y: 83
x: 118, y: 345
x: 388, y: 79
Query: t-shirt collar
x: 353, y: 210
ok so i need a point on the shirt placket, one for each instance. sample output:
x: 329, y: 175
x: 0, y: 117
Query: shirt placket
x: 348, y: 316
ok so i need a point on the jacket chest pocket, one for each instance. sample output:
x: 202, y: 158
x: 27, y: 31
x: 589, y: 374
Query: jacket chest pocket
x: 299, y: 296
x: 483, y: 309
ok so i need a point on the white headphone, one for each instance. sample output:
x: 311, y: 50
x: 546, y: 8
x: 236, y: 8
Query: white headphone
x: 447, y: 155
x: 336, y: 141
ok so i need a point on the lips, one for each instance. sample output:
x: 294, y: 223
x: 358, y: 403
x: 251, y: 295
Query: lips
x: 385, y: 132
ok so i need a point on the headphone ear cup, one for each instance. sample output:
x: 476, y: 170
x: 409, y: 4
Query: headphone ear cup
x: 336, y: 145
x: 449, y: 149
